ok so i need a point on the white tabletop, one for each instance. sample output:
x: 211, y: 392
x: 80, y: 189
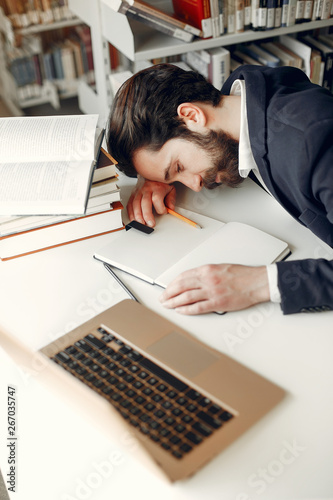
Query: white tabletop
x: 61, y: 456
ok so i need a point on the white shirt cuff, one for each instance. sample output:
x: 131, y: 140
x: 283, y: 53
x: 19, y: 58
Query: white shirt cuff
x: 274, y: 291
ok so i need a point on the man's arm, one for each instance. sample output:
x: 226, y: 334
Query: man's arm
x: 148, y: 195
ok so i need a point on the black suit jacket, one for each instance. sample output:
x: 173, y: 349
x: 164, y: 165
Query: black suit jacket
x: 291, y: 135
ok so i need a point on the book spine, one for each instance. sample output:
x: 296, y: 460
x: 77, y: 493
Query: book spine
x: 271, y: 7
x: 262, y: 15
x: 278, y: 14
x: 214, y: 14
x: 326, y: 11
x: 308, y: 8
x: 219, y: 68
x: 247, y: 14
x: 291, y: 19
x: 231, y: 24
x: 254, y: 14
x: 285, y: 10
x: 300, y: 11
x: 199, y: 61
x: 239, y: 16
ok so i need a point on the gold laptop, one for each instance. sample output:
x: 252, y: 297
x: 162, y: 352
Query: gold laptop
x: 172, y: 400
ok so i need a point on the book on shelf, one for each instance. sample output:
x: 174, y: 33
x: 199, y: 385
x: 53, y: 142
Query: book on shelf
x: 24, y: 13
x: 308, y: 10
x: 219, y: 66
x: 84, y: 36
x: 259, y: 54
x: 196, y: 13
x: 242, y: 58
x: 317, y: 67
x: 158, y: 260
x: 156, y: 19
x: 213, y: 64
x: 271, y: 7
x: 326, y: 53
x: 301, y: 49
x: 278, y: 13
x: 262, y: 15
x: 286, y: 56
x: 291, y: 17
x: 300, y: 11
x: 47, y: 164
x: 247, y: 14
x: 239, y: 16
x: 326, y: 12
x: 60, y: 233
x: 295, y: 59
x: 231, y: 16
x: 215, y: 18
x: 284, y: 15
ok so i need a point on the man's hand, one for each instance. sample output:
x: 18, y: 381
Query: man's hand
x: 217, y: 287
x: 149, y: 194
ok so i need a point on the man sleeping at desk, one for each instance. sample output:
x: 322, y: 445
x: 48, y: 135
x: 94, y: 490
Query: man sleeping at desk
x: 169, y: 125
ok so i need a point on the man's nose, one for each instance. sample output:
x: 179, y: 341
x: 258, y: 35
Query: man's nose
x: 194, y: 182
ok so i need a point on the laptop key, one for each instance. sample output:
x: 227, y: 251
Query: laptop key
x: 95, y: 342
x: 192, y: 394
x: 204, y: 430
x: 194, y: 438
x: 163, y: 374
x: 208, y: 419
x: 63, y: 357
x: 226, y: 416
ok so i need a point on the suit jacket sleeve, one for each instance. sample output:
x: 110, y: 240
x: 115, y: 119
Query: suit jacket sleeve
x: 306, y: 285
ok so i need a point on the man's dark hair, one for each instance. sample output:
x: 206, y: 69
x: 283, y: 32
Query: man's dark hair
x: 144, y: 110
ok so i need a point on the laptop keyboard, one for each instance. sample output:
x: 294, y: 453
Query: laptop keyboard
x: 161, y: 406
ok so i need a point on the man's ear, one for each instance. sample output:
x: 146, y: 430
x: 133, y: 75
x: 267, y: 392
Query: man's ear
x: 193, y: 116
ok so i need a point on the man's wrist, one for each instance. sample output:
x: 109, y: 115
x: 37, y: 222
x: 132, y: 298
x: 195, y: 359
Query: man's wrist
x: 272, y: 275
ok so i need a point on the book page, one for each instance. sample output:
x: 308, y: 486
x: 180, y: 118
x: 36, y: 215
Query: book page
x: 147, y: 256
x: 47, y: 138
x: 44, y: 188
x: 234, y: 243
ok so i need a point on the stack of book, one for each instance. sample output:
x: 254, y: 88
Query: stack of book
x: 23, y: 13
x: 44, y: 204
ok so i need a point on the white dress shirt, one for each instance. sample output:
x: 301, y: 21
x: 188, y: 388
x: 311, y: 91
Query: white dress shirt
x: 246, y: 164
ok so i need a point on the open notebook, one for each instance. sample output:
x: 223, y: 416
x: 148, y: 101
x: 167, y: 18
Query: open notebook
x: 175, y: 246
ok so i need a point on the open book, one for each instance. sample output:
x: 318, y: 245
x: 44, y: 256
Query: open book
x: 47, y: 164
x: 175, y: 246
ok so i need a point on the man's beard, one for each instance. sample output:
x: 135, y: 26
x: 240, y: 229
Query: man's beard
x: 222, y: 150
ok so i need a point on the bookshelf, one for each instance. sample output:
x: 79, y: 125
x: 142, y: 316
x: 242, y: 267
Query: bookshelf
x: 138, y: 42
x: 44, y: 90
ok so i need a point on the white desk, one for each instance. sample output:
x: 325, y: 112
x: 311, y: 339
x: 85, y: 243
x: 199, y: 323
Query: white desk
x: 61, y: 456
